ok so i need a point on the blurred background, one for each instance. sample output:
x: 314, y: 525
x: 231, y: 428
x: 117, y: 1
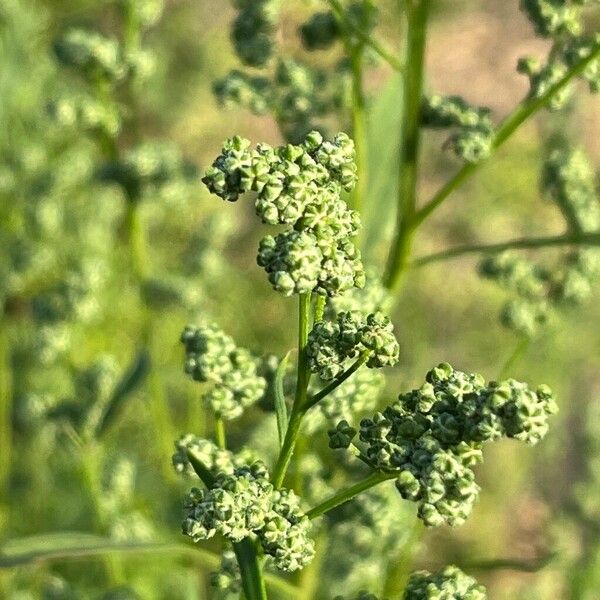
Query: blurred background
x: 95, y: 295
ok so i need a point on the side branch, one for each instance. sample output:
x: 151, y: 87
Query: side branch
x: 582, y: 239
x: 522, y: 113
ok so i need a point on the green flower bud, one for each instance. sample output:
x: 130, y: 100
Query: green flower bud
x: 552, y: 18
x: 320, y: 31
x: 448, y: 584
x: 341, y: 436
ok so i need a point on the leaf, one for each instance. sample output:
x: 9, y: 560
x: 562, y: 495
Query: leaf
x: 383, y: 137
x: 280, y: 404
x: 63, y: 545
x: 130, y: 381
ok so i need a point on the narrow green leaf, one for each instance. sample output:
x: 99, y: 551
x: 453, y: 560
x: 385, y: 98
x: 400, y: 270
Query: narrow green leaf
x: 65, y: 545
x: 383, y: 134
x: 131, y: 380
x: 280, y: 404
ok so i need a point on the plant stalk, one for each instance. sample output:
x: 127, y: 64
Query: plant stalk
x: 220, y: 433
x: 522, y: 113
x: 349, y: 493
x: 253, y: 581
x: 298, y: 408
x: 417, y: 14
x: 6, y: 382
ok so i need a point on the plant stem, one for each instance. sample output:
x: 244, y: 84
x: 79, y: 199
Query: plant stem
x: 253, y: 581
x: 357, y: 364
x: 364, y: 37
x: 514, y: 357
x: 359, y: 126
x: 522, y: 113
x: 417, y: 13
x: 220, y: 432
x: 6, y: 382
x: 349, y: 493
x: 298, y: 408
x: 319, y: 308
x: 136, y: 237
x: 584, y: 239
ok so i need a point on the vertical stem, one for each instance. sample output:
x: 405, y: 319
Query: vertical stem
x: 417, y: 13
x: 220, y: 433
x: 298, y: 408
x: 358, y: 127
x: 250, y: 569
x: 136, y: 237
x: 514, y: 357
x: 5, y: 409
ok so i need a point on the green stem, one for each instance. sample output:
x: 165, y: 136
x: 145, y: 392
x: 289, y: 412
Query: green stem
x: 298, y: 408
x: 514, y: 357
x: 521, y: 114
x: 319, y: 307
x: 220, y: 433
x: 359, y: 133
x: 253, y: 581
x: 136, y: 237
x: 364, y: 37
x: 417, y: 13
x: 349, y: 493
x: 5, y: 410
x: 92, y: 473
x: 584, y: 239
x: 357, y: 364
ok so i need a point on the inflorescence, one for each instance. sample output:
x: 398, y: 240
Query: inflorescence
x: 213, y: 357
x: 298, y: 186
x: 245, y: 504
x: 434, y: 435
x: 448, y: 584
x: 474, y: 128
x: 331, y: 344
x: 568, y: 180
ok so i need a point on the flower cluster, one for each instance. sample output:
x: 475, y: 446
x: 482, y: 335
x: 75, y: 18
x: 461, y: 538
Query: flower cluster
x: 213, y: 357
x: 320, y: 31
x: 448, y: 584
x: 298, y: 186
x: 475, y: 131
x: 245, y: 504
x: 253, y: 29
x: 227, y: 579
x: 331, y: 344
x: 148, y: 167
x: 92, y: 54
x: 87, y: 114
x: 216, y: 460
x: 147, y: 12
x: 560, y: 21
x: 551, y: 18
x: 432, y: 436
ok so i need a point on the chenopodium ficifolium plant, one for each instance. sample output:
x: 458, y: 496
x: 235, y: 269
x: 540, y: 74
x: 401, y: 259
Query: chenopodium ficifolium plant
x: 433, y: 436
x: 299, y: 95
x: 246, y: 503
x: 569, y: 182
x: 299, y: 186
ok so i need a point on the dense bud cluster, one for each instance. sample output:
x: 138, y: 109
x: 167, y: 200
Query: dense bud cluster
x: 320, y: 31
x: 86, y: 114
x: 240, y: 89
x: 253, y: 29
x: 543, y: 77
x: 474, y: 138
x: 227, y: 579
x: 331, y: 344
x: 212, y: 357
x: 245, y: 504
x: 298, y: 186
x: 91, y: 53
x: 580, y: 47
x: 553, y: 17
x: 448, y: 584
x: 433, y: 436
x: 149, y: 166
x: 568, y: 180
x: 216, y: 460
